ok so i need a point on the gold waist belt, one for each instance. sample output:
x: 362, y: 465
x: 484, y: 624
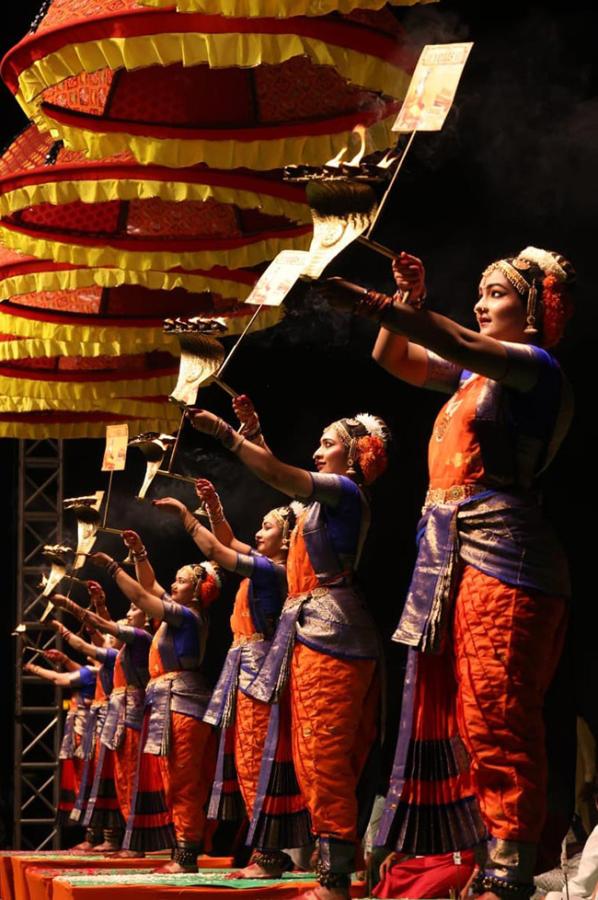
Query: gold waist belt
x: 167, y: 676
x: 243, y: 639
x: 127, y: 689
x: 97, y: 704
x: 454, y: 494
x: 313, y: 594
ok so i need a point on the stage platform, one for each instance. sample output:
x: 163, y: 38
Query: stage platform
x: 66, y: 876
x: 18, y: 868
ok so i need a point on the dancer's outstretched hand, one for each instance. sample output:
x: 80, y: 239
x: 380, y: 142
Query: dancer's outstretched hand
x: 100, y: 559
x: 132, y: 541
x: 56, y: 656
x: 246, y: 413
x: 410, y: 276
x: 170, y: 505
x: 97, y: 593
x: 204, y: 421
x: 207, y: 493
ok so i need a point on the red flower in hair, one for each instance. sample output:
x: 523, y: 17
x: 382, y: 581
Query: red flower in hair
x: 210, y: 591
x: 371, y: 456
x: 557, y: 309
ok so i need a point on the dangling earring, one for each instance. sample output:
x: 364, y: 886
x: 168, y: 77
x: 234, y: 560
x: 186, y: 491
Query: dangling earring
x: 351, y: 458
x: 532, y: 302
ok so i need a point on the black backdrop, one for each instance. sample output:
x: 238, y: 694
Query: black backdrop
x: 515, y: 164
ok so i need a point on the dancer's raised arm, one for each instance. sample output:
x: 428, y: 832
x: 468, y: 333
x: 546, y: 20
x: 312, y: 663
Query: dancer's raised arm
x: 93, y: 651
x: 85, y: 616
x: 208, y: 543
x: 143, y: 567
x: 289, y: 480
x: 61, y: 659
x: 421, y: 346
x: 60, y: 679
x: 134, y: 591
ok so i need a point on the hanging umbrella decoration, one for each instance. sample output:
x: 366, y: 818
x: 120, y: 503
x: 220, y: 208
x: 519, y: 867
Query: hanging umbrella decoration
x: 254, y: 91
x: 108, y: 244
x: 146, y: 256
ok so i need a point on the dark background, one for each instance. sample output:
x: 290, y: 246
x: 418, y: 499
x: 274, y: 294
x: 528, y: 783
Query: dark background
x: 515, y: 164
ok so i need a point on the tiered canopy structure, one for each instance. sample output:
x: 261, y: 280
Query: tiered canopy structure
x: 149, y: 184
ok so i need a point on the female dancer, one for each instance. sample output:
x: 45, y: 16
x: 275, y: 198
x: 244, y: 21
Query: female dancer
x: 325, y: 634
x: 82, y: 681
x: 100, y: 809
x: 484, y: 543
x: 244, y: 720
x: 124, y: 717
x: 175, y: 700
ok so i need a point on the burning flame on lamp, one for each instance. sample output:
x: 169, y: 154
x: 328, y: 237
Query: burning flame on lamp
x: 335, y: 162
x: 390, y: 157
x: 361, y: 133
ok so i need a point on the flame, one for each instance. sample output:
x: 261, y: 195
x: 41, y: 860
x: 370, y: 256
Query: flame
x: 335, y: 162
x: 43, y: 581
x: 361, y: 132
x: 387, y: 160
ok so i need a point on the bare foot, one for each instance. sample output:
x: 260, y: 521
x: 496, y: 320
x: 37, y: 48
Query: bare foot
x: 255, y: 870
x: 129, y: 854
x: 106, y: 847
x: 83, y: 847
x: 175, y: 868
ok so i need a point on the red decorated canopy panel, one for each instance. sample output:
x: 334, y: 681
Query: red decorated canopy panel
x: 248, y: 89
x: 74, y: 358
x: 56, y: 205
x: 77, y: 396
x: 91, y: 320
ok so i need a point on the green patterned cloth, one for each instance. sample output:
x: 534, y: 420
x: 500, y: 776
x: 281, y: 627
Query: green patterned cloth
x: 89, y: 871
x: 204, y: 878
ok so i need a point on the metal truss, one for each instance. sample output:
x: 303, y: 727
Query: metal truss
x: 38, y: 704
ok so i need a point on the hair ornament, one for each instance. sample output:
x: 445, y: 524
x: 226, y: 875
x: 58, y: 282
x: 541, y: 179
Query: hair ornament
x: 544, y: 260
x: 374, y: 426
x: 213, y: 571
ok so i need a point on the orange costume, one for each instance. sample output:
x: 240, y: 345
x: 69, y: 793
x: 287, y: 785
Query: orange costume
x: 488, y: 599
x: 327, y: 640
x: 122, y: 729
x: 176, y: 737
x: 244, y: 720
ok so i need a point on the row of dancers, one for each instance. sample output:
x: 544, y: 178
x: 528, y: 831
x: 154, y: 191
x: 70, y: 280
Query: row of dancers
x: 297, y: 703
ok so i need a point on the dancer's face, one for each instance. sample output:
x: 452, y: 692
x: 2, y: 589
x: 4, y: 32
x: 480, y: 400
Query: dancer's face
x: 500, y: 311
x: 135, y: 616
x: 331, y: 455
x: 268, y: 540
x: 182, y: 589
